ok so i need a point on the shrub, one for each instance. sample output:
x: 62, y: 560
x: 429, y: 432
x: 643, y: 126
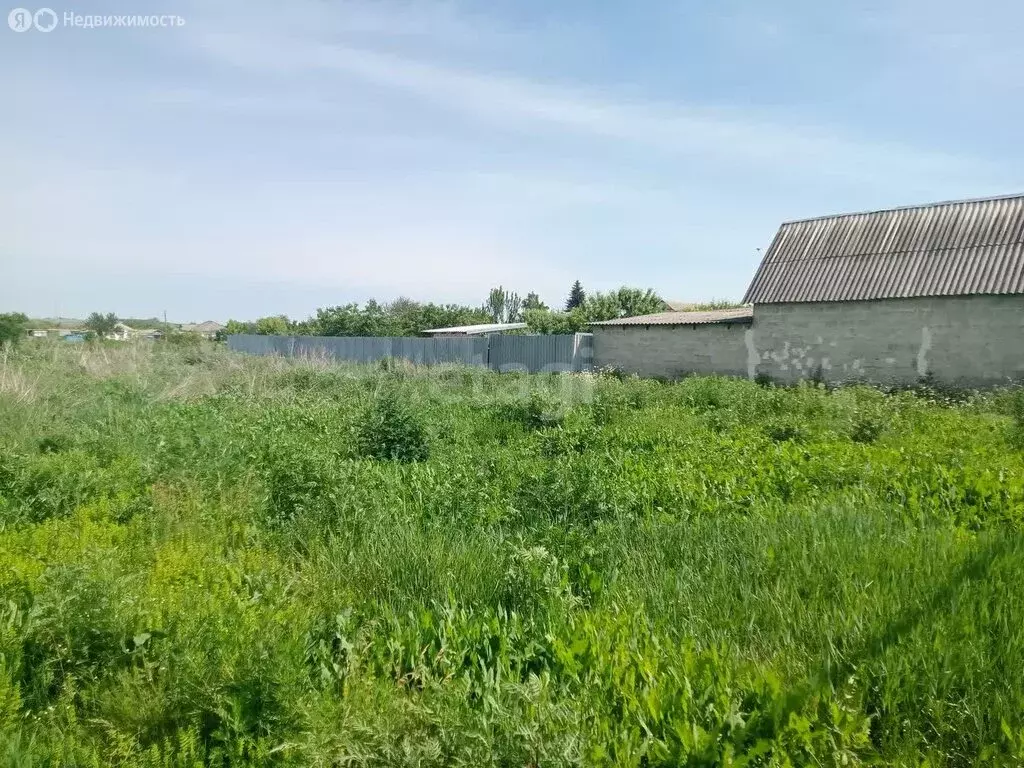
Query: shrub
x: 1016, y: 402
x: 537, y: 410
x: 783, y: 431
x: 12, y: 327
x: 867, y: 428
x: 390, y: 431
x: 182, y: 339
x: 576, y: 434
x: 295, y: 481
x: 55, y: 443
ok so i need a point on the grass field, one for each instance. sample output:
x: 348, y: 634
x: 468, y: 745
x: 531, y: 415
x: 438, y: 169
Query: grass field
x: 207, y: 559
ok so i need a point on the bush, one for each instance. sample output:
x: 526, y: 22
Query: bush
x: 56, y: 443
x: 390, y: 431
x: 867, y: 429
x: 535, y: 411
x: 12, y: 327
x: 1017, y: 414
x: 783, y: 431
x: 296, y: 481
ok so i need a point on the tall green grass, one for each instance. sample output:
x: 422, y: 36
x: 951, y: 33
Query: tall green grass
x: 208, y: 559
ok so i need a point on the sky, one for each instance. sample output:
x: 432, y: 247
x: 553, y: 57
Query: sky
x: 276, y: 157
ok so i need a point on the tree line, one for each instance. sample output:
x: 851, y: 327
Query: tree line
x: 405, y: 317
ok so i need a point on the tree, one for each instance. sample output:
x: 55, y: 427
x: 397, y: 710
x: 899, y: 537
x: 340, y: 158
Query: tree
x: 503, y: 306
x: 12, y: 327
x: 622, y: 302
x: 100, y: 324
x: 237, y: 327
x: 402, y: 317
x: 576, y: 296
x: 634, y: 301
x: 532, y: 301
x: 547, y: 322
x: 277, y: 325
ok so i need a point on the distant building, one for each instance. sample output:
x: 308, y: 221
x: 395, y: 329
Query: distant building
x: 56, y: 332
x: 121, y: 332
x: 483, y: 329
x: 208, y: 329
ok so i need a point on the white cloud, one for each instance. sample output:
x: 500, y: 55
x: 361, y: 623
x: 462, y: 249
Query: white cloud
x: 731, y: 138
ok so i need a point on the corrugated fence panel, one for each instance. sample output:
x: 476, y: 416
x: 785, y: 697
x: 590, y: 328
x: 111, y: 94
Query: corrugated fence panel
x: 541, y: 354
x: 468, y: 350
x: 535, y: 354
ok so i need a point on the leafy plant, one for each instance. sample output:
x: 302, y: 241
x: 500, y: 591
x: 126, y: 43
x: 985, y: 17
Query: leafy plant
x: 12, y: 327
x: 101, y: 324
x: 1016, y: 408
x: 390, y: 430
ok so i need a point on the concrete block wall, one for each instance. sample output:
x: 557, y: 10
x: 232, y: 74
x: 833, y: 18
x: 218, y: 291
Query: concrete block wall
x: 959, y: 340
x: 671, y: 351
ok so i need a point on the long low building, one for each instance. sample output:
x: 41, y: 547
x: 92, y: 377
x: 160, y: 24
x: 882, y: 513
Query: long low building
x: 673, y: 344
x: 931, y: 292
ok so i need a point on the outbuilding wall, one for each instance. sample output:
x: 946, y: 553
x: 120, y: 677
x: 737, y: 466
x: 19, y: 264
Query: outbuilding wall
x: 671, y: 351
x: 971, y: 341
x: 958, y: 340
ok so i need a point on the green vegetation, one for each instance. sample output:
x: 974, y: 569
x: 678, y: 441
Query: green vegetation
x: 622, y: 302
x: 504, y: 306
x: 576, y: 297
x: 13, y: 326
x: 101, y: 324
x: 208, y: 559
x: 405, y: 317
x: 401, y: 317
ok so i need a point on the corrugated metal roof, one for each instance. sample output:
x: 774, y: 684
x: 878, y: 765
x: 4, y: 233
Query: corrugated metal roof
x: 735, y: 315
x: 943, y: 249
x: 473, y: 330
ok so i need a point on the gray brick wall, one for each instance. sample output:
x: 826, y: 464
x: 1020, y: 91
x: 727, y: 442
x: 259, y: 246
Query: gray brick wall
x: 670, y: 351
x: 961, y: 340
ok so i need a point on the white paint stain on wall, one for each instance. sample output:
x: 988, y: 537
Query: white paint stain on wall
x: 922, y: 352
x: 753, y: 358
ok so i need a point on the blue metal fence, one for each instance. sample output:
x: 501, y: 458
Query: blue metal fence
x: 533, y: 354
x: 538, y: 354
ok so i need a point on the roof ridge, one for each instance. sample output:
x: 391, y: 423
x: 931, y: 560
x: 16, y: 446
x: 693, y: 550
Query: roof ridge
x: 923, y: 252
x: 918, y: 206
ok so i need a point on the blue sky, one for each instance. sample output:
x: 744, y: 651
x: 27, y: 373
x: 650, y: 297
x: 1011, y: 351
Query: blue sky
x: 277, y: 157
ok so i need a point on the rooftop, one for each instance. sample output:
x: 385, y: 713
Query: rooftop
x: 208, y: 326
x: 743, y: 315
x: 474, y: 330
x: 955, y: 248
